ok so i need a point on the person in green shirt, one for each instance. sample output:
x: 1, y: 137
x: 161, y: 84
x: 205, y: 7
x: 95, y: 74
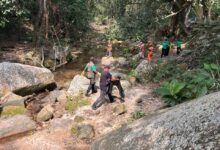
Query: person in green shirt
x: 165, y: 48
x: 178, y: 44
x: 90, y: 68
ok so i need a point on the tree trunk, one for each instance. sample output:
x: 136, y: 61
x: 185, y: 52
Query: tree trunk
x: 46, y: 15
x: 178, y: 21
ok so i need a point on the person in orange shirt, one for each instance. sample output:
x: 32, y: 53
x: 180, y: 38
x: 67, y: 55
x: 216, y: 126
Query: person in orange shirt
x: 150, y: 54
x: 109, y: 48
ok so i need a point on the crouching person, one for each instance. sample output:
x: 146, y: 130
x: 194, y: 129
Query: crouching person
x: 105, y: 96
x: 116, y: 82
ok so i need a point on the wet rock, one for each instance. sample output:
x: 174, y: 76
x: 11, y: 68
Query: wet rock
x: 24, y: 79
x: 16, y: 125
x: 120, y: 109
x: 83, y: 131
x: 145, y: 71
x: 191, y: 125
x: 45, y: 114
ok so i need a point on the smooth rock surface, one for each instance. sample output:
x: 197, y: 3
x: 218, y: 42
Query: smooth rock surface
x: 191, y: 125
x: 145, y: 71
x: 24, y: 79
x: 45, y: 114
x: 80, y: 84
x: 16, y: 125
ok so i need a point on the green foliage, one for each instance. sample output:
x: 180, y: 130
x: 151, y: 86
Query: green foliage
x: 137, y: 20
x: 137, y: 115
x: 131, y: 73
x: 75, y: 13
x: 168, y: 69
x: 14, y: 11
x: 191, y: 84
x: 171, y: 92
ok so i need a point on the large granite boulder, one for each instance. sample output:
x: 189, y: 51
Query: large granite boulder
x: 24, y: 79
x: 16, y: 125
x: 145, y: 71
x: 191, y: 125
x: 121, y: 62
x: 79, y: 84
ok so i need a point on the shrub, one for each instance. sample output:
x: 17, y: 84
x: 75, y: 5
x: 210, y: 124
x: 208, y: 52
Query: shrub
x: 191, y: 84
x: 137, y: 115
x: 171, y: 92
x: 168, y: 70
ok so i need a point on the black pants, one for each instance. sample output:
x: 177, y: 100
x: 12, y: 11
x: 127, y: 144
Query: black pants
x: 91, y: 86
x: 163, y: 52
x: 178, y: 50
x: 103, y: 98
x: 167, y: 51
x: 118, y: 85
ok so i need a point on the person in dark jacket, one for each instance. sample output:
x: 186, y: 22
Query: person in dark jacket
x: 105, y: 96
x: 116, y: 82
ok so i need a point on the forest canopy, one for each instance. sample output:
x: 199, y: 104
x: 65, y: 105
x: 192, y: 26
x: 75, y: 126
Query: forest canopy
x: 127, y: 18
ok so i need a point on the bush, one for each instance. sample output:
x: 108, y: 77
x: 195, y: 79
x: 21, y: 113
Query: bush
x: 171, y: 92
x: 191, y: 84
x: 137, y: 115
x: 168, y: 70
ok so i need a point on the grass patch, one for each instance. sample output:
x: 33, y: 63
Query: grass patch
x: 74, y: 131
x: 137, y: 115
x: 78, y: 119
x: 13, y: 110
x: 75, y: 102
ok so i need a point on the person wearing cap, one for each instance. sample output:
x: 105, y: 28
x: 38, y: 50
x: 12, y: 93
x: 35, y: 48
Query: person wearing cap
x: 91, y: 74
x: 150, y: 54
x: 105, y: 81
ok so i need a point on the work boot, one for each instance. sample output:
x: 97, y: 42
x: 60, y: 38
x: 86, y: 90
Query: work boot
x: 122, y: 100
x: 87, y: 94
x: 95, y: 91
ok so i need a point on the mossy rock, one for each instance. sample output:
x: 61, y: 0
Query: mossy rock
x: 13, y: 110
x: 83, y: 131
x: 74, y: 131
x: 49, y: 63
x: 120, y: 109
x: 78, y: 119
x: 73, y: 103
